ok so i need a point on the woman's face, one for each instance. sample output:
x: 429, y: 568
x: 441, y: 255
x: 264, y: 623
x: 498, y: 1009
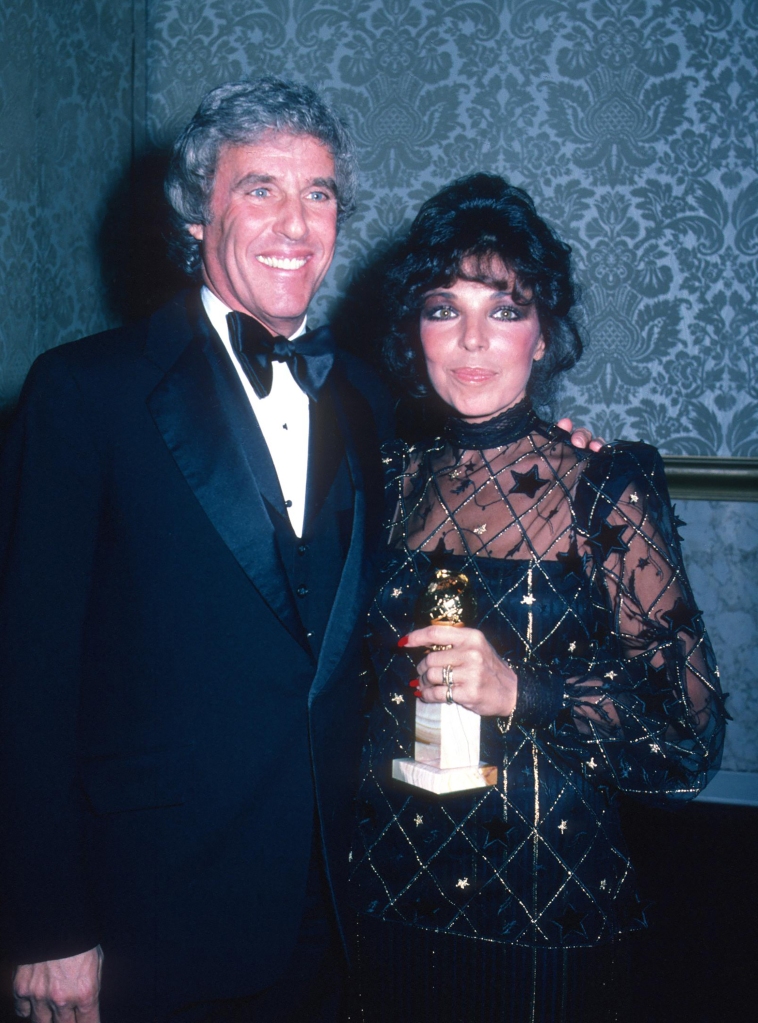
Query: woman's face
x: 479, y: 344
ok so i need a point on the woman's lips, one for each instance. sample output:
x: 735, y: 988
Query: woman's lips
x: 473, y: 375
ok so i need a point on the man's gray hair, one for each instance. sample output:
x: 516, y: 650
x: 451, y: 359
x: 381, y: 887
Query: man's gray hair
x: 239, y: 113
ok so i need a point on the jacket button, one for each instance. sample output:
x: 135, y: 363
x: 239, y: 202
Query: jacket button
x: 302, y: 591
x: 302, y: 549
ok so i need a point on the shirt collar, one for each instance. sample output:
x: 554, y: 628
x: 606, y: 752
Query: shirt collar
x: 217, y: 312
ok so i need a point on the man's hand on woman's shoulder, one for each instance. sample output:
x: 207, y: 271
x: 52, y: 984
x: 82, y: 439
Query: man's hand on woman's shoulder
x: 581, y: 437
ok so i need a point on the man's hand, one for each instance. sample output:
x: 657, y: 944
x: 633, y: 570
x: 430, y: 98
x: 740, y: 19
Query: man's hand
x: 61, y: 990
x: 581, y: 437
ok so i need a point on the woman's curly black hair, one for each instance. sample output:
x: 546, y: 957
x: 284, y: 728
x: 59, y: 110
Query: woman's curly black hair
x: 476, y: 218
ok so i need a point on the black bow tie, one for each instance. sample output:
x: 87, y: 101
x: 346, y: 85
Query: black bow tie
x: 309, y: 357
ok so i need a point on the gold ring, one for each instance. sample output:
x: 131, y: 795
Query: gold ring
x: 447, y: 680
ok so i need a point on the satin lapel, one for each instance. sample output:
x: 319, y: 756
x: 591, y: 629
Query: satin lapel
x: 202, y: 413
x: 326, y: 450
x: 354, y: 420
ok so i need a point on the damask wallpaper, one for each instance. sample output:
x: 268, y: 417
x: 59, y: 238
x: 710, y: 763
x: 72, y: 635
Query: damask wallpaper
x: 721, y: 552
x: 65, y: 131
x: 633, y: 123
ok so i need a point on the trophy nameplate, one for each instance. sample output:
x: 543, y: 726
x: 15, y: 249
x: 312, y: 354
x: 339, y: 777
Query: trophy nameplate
x: 446, y: 750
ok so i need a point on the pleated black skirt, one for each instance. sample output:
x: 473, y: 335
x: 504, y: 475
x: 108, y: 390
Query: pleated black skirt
x: 409, y: 975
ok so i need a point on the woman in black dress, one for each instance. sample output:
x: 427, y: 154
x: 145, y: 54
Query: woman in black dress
x: 588, y: 662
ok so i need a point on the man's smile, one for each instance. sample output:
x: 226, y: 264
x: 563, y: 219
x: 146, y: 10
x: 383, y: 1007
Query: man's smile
x: 283, y: 263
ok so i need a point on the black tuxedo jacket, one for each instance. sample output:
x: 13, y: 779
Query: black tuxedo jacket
x: 165, y: 725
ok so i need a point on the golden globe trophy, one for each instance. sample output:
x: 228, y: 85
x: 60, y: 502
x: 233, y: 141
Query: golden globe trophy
x: 446, y: 750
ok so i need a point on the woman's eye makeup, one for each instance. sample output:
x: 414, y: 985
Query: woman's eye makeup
x: 443, y: 311
x: 507, y: 312
x: 438, y: 311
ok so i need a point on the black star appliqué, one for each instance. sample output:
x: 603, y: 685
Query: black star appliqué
x: 527, y: 482
x: 571, y: 922
x: 677, y: 770
x: 676, y: 523
x: 681, y: 616
x: 438, y: 557
x: 640, y: 915
x: 498, y: 831
x: 600, y: 633
x: 656, y: 692
x: 608, y: 539
x: 424, y: 909
x: 572, y: 561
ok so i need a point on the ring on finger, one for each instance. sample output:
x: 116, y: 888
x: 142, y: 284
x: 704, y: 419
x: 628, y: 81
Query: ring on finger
x: 447, y: 681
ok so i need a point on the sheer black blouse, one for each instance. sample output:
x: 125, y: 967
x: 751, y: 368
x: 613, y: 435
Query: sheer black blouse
x: 576, y: 566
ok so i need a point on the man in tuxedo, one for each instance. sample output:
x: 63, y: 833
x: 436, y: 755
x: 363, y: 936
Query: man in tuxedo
x: 189, y: 511
x: 188, y: 514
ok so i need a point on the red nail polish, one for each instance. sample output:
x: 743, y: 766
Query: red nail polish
x: 414, y: 683
x: 417, y: 693
x: 403, y: 641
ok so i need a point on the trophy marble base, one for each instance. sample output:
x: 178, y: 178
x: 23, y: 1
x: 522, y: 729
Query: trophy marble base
x: 441, y: 780
x: 446, y: 751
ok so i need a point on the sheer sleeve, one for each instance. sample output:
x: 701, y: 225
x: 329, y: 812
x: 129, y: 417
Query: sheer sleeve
x: 400, y: 462
x: 647, y: 716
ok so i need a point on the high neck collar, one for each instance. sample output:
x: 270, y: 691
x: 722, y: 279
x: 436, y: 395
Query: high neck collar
x: 513, y: 424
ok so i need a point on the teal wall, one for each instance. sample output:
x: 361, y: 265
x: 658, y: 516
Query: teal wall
x: 721, y: 554
x: 65, y: 139
x: 633, y: 123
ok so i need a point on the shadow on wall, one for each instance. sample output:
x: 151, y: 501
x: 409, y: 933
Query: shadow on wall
x: 132, y: 246
x: 133, y: 242
x: 360, y: 322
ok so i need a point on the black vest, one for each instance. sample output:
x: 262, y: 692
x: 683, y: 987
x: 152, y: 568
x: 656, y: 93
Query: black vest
x: 314, y: 562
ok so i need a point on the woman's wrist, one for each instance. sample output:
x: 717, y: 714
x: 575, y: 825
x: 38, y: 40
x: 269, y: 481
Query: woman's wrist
x: 539, y: 694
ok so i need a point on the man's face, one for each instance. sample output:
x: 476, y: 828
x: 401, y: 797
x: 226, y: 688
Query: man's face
x: 273, y: 227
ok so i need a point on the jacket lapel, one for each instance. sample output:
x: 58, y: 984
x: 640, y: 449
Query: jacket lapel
x: 361, y: 451
x: 202, y: 412
x: 326, y: 450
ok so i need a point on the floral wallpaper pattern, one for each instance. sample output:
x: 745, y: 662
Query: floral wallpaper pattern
x: 634, y: 124
x: 721, y: 553
x: 65, y: 125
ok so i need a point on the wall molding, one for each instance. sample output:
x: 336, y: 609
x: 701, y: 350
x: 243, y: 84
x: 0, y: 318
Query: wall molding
x: 701, y: 478
x: 740, y: 788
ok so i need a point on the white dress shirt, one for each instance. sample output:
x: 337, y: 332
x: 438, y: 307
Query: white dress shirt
x: 283, y: 416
